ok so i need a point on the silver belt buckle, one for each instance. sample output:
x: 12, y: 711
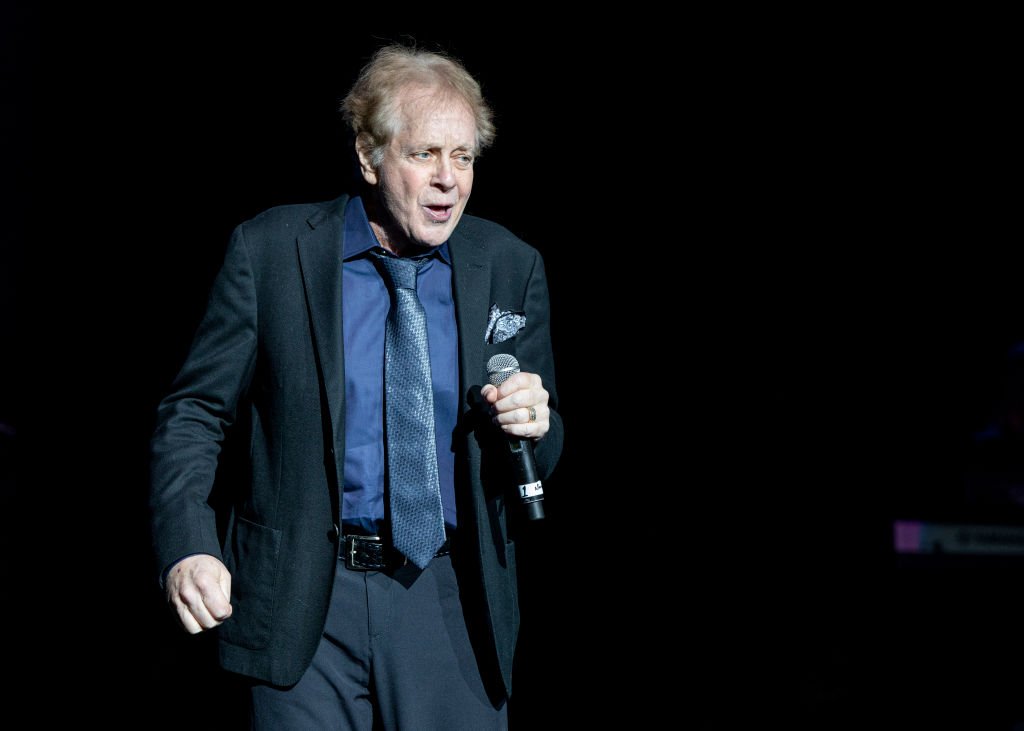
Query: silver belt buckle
x: 350, y: 553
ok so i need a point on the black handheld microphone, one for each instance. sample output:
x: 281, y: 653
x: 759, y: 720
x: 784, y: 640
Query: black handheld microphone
x: 531, y: 493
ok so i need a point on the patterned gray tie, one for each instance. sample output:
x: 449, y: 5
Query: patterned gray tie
x: 417, y: 518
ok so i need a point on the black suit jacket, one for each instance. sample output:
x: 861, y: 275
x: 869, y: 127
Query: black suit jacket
x: 270, y: 349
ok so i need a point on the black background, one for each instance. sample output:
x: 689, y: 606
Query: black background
x: 781, y: 256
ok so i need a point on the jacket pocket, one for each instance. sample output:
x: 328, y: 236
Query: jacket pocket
x: 252, y: 559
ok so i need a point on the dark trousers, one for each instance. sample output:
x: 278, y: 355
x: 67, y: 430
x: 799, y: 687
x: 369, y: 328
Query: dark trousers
x: 394, y: 655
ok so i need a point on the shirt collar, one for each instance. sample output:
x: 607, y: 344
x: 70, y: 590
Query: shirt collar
x: 359, y: 237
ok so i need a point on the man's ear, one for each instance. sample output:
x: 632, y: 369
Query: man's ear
x: 363, y: 147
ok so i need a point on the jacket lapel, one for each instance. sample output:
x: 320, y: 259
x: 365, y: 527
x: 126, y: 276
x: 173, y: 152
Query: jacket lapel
x: 471, y: 272
x: 320, y: 253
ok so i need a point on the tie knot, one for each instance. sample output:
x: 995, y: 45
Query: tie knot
x: 398, y: 273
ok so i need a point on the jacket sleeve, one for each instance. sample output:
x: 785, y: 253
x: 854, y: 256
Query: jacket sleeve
x: 192, y: 419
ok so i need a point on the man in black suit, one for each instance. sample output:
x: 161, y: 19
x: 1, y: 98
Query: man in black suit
x: 307, y: 592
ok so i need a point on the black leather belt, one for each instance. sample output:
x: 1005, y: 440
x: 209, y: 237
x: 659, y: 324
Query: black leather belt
x: 370, y: 553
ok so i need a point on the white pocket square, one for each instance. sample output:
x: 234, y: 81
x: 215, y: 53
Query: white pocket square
x: 503, y: 324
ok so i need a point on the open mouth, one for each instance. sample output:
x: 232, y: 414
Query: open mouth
x: 439, y: 214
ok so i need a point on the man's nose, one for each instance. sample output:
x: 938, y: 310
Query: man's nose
x: 444, y: 174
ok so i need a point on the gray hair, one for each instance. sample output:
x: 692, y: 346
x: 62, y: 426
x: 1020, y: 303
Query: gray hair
x: 371, y: 106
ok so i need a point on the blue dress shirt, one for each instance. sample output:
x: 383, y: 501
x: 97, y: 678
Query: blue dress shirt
x: 365, y: 305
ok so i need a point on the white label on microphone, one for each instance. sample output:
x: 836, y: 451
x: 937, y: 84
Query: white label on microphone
x: 531, y: 489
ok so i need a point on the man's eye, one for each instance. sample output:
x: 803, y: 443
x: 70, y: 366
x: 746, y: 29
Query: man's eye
x: 421, y: 155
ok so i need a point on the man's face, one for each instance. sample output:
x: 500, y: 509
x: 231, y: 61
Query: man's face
x: 426, y: 176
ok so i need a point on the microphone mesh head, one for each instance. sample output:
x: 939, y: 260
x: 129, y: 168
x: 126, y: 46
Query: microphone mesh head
x: 500, y: 367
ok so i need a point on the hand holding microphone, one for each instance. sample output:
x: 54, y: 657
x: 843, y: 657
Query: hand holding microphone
x: 519, y: 402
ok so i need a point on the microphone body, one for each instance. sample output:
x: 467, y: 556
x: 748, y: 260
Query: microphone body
x: 531, y: 492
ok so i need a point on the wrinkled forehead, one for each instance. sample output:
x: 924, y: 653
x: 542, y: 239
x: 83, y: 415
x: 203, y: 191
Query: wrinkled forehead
x: 421, y: 105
